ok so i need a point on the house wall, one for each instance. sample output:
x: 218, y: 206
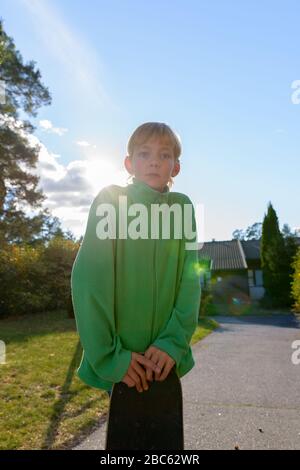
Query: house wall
x: 256, y: 293
x: 255, y: 280
x: 229, y: 285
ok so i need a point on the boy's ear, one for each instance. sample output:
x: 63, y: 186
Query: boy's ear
x: 128, y: 164
x: 176, y: 168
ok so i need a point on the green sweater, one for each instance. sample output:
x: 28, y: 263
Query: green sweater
x: 129, y: 294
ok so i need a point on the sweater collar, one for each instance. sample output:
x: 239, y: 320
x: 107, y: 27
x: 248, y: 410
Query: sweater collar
x: 144, y: 192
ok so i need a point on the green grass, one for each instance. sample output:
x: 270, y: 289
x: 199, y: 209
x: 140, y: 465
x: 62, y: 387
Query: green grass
x: 43, y: 404
x: 204, y: 328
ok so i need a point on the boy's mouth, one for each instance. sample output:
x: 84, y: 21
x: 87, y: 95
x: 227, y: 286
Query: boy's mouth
x: 152, y: 174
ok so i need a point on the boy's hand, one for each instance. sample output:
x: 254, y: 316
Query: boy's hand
x: 162, y: 359
x: 128, y: 381
x: 137, y: 374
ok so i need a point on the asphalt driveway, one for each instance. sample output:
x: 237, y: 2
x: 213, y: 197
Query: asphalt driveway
x: 244, y: 390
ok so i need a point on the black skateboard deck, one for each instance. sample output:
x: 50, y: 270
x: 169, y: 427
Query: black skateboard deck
x: 150, y: 420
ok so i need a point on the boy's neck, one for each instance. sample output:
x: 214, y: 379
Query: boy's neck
x: 160, y: 190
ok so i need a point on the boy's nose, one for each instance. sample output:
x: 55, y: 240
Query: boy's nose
x: 154, y: 161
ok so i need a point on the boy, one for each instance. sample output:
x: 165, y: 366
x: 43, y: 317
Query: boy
x: 136, y: 298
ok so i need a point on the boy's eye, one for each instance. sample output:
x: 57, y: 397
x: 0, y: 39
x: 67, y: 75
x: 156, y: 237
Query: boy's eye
x: 163, y: 156
x: 143, y: 154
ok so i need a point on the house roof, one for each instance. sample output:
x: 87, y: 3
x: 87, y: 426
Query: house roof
x: 224, y: 254
x: 231, y: 254
x: 251, y: 248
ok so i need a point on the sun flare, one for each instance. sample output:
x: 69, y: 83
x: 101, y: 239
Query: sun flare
x: 101, y: 172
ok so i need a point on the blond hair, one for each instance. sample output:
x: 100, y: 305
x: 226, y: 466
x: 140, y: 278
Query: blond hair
x: 158, y: 129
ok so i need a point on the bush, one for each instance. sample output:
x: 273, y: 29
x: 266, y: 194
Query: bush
x: 58, y: 258
x: 206, y: 304
x: 20, y: 271
x: 296, y: 282
x: 36, y: 279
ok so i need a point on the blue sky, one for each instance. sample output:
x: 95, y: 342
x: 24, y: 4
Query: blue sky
x: 219, y: 72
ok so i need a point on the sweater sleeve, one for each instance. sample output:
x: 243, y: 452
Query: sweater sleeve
x: 175, y: 338
x: 93, y: 289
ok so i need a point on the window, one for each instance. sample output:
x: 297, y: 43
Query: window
x: 258, y: 277
x: 251, y: 278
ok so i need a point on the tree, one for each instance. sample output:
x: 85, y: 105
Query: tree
x: 18, y: 186
x: 238, y: 234
x: 296, y: 281
x: 286, y: 231
x: 291, y: 248
x: 252, y: 232
x: 276, y: 260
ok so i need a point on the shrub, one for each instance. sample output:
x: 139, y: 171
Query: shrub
x: 296, y: 282
x: 36, y: 279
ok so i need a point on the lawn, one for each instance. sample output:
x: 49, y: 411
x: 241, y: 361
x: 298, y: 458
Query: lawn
x: 43, y: 404
x: 205, y: 326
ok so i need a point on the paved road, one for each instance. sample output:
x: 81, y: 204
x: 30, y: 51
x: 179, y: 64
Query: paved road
x: 244, y: 389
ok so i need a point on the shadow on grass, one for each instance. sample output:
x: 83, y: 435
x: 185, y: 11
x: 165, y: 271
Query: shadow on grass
x: 18, y: 329
x: 61, y: 403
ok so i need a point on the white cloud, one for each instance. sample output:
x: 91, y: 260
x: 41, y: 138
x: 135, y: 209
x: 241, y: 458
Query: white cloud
x: 47, y: 125
x: 83, y: 143
x: 71, y: 188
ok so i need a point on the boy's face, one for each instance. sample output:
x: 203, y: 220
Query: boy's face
x: 153, y: 163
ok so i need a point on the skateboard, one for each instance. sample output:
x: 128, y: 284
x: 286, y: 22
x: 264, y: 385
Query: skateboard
x: 150, y: 420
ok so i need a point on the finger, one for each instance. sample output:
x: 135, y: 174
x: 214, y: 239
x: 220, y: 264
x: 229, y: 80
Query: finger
x: 165, y: 372
x: 130, y: 382
x: 167, y: 369
x: 155, y: 357
x: 148, y: 363
x: 149, y: 352
x: 136, y: 378
x: 138, y: 368
x: 161, y: 364
x: 149, y: 374
x: 142, y: 374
